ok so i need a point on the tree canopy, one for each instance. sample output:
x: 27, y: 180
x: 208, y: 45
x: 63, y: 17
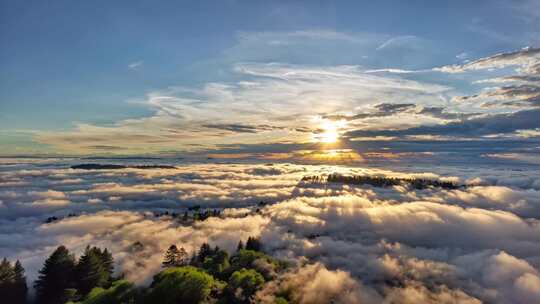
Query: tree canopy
x: 210, y: 276
x: 12, y: 282
x: 55, y: 277
x: 244, y: 283
x: 181, y: 285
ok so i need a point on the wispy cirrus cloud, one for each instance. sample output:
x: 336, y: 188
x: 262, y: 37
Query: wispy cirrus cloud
x: 288, y: 98
x: 135, y: 65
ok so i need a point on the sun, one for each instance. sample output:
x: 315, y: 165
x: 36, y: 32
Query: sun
x: 329, y: 136
x: 330, y: 131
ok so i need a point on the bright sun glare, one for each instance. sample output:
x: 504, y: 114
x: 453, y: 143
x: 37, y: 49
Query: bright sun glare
x: 331, y: 131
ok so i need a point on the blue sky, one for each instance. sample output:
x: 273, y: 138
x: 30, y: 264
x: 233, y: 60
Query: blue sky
x: 188, y: 76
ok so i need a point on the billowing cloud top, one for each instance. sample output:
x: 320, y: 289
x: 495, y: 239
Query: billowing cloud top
x: 363, y: 244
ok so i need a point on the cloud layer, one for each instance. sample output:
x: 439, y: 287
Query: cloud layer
x: 357, y: 244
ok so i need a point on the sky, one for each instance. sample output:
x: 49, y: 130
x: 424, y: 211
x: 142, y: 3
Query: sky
x: 271, y: 79
x: 265, y: 94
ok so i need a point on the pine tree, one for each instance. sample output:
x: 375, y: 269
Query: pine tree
x: 6, y: 279
x: 240, y: 246
x: 20, y: 289
x: 171, y: 257
x: 55, y: 277
x: 90, y: 271
x: 6, y: 271
x: 253, y: 244
x: 108, y: 264
x: 183, y: 257
x: 204, y: 251
x: 12, y: 282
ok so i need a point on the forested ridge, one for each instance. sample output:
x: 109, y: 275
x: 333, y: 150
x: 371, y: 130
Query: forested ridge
x: 210, y: 275
x: 380, y: 181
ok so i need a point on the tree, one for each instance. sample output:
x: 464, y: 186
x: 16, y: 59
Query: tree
x: 244, y: 283
x: 183, y: 257
x: 121, y: 291
x: 108, y: 263
x: 175, y: 257
x: 12, y: 282
x: 204, y: 252
x: 240, y: 246
x: 6, y: 271
x: 217, y: 263
x: 253, y: 244
x: 20, y: 289
x: 91, y: 271
x: 182, y: 285
x: 55, y: 277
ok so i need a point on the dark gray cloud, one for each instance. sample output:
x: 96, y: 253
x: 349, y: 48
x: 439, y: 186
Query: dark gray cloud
x: 485, y: 125
x: 439, y: 112
x: 381, y: 110
x: 242, y: 128
x: 389, y: 109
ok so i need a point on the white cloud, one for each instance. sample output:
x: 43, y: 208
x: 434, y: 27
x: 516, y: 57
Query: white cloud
x: 135, y: 65
x: 525, y: 58
x: 363, y: 244
x: 288, y: 97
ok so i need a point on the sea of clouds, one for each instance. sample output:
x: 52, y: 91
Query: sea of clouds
x: 350, y: 243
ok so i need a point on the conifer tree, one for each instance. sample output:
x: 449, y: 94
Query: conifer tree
x: 6, y: 278
x: 253, y: 244
x: 55, y: 277
x: 204, y: 251
x: 240, y: 246
x: 171, y: 257
x: 183, y: 257
x: 90, y: 271
x: 12, y: 282
x: 20, y: 289
x: 6, y: 271
x: 108, y: 264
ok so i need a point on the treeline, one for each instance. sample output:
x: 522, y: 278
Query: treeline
x: 210, y: 275
x: 186, y: 217
x: 194, y: 215
x: 12, y: 282
x: 377, y: 181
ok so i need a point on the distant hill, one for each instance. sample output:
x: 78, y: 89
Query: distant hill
x: 113, y: 167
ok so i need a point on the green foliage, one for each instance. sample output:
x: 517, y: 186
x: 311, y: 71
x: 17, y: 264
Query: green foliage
x: 182, y: 285
x: 121, y: 292
x: 93, y: 270
x: 90, y: 280
x: 216, y: 262
x: 12, y: 282
x: 244, y: 283
x: 108, y: 263
x: 55, y: 277
x: 258, y: 261
x: 204, y: 252
x: 280, y: 300
x: 244, y: 258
